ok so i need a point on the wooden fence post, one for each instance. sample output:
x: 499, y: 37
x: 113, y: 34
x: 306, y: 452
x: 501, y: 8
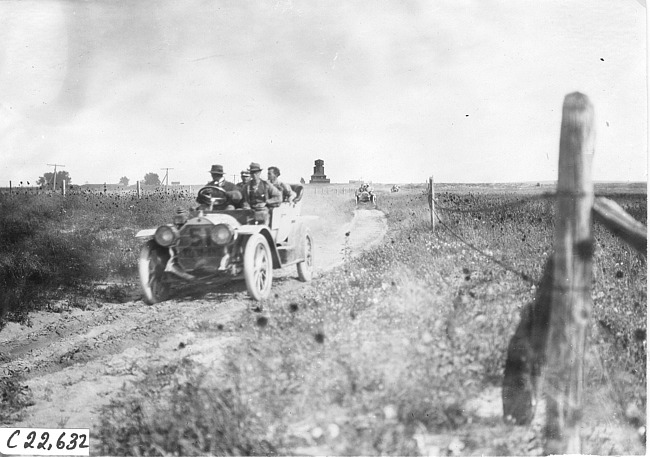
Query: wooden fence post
x: 571, y: 291
x: 137, y: 189
x: 432, y: 208
x: 10, y: 189
x: 63, y: 187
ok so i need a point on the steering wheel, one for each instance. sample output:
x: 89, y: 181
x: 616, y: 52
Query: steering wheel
x: 212, y: 196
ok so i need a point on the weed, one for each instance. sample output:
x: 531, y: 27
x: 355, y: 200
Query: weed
x: 14, y: 396
x: 173, y: 411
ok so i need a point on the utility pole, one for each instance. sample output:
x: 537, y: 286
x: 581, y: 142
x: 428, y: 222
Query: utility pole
x: 54, y: 177
x: 166, y: 178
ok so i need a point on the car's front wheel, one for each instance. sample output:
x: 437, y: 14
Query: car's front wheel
x: 151, y: 266
x: 258, y: 267
x: 306, y: 267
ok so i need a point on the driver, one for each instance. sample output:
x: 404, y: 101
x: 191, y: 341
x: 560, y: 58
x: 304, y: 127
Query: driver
x: 233, y: 193
x: 219, y: 180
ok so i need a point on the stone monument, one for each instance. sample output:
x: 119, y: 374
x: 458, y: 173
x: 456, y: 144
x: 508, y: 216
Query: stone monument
x: 319, y: 173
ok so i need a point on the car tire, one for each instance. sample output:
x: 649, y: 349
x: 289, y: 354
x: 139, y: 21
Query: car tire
x: 151, y: 266
x: 306, y: 267
x: 258, y: 267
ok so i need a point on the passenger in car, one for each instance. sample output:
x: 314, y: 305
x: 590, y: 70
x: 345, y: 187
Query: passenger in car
x: 245, y: 178
x: 287, y: 193
x: 260, y: 195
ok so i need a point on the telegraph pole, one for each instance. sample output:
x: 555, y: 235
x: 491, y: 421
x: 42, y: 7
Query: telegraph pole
x: 54, y: 177
x: 166, y: 178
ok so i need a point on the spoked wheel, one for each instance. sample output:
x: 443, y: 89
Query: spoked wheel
x: 258, y: 267
x: 306, y: 267
x: 151, y: 265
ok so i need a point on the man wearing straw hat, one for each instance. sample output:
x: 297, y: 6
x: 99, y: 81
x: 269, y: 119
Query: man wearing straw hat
x: 260, y: 195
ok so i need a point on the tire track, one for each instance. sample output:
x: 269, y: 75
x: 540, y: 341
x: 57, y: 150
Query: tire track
x: 74, y: 362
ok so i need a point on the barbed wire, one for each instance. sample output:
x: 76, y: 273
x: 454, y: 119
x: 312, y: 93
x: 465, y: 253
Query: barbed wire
x: 521, y: 202
x: 520, y: 274
x: 487, y: 209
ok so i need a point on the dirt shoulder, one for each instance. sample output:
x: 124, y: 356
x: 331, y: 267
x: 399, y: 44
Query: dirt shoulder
x: 74, y: 361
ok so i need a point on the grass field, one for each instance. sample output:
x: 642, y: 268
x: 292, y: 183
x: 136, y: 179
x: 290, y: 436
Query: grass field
x: 371, y: 357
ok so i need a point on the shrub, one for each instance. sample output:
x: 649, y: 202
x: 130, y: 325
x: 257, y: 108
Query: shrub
x: 173, y: 411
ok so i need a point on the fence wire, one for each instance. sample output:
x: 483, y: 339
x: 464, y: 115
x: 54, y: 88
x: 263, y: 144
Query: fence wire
x: 489, y: 209
x: 492, y: 208
x: 520, y: 274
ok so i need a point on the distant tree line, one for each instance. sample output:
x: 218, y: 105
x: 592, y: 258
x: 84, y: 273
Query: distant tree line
x: 47, y: 180
x: 150, y: 179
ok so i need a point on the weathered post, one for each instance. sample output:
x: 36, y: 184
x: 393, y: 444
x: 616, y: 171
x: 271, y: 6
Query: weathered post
x: 432, y: 208
x: 137, y: 189
x: 63, y: 187
x: 10, y: 189
x: 571, y: 291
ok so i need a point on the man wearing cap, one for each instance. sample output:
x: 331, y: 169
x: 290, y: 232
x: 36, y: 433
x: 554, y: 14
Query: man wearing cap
x: 285, y: 189
x: 232, y: 191
x: 260, y: 195
x: 245, y: 177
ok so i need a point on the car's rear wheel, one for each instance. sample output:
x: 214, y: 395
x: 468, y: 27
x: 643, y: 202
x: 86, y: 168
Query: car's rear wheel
x: 306, y: 267
x: 151, y: 266
x: 258, y: 267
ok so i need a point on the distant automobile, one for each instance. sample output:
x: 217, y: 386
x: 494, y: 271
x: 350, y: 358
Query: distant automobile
x: 209, y: 244
x: 395, y: 188
x: 365, y: 194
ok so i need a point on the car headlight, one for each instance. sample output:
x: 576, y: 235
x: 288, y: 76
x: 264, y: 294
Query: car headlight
x: 166, y: 235
x: 221, y: 234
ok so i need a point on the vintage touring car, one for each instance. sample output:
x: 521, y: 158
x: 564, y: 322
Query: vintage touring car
x: 365, y: 195
x: 215, y: 242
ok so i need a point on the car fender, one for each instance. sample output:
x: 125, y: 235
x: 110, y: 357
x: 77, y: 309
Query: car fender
x: 215, y: 219
x: 248, y: 230
x: 146, y: 234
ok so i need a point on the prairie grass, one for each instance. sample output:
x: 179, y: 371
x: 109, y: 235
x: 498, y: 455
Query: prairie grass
x: 370, y: 355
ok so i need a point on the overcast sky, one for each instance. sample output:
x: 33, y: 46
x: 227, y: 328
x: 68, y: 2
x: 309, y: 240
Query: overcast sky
x: 387, y: 91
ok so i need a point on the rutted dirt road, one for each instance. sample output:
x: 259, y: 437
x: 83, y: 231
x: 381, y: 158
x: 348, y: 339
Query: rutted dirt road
x: 75, y: 361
